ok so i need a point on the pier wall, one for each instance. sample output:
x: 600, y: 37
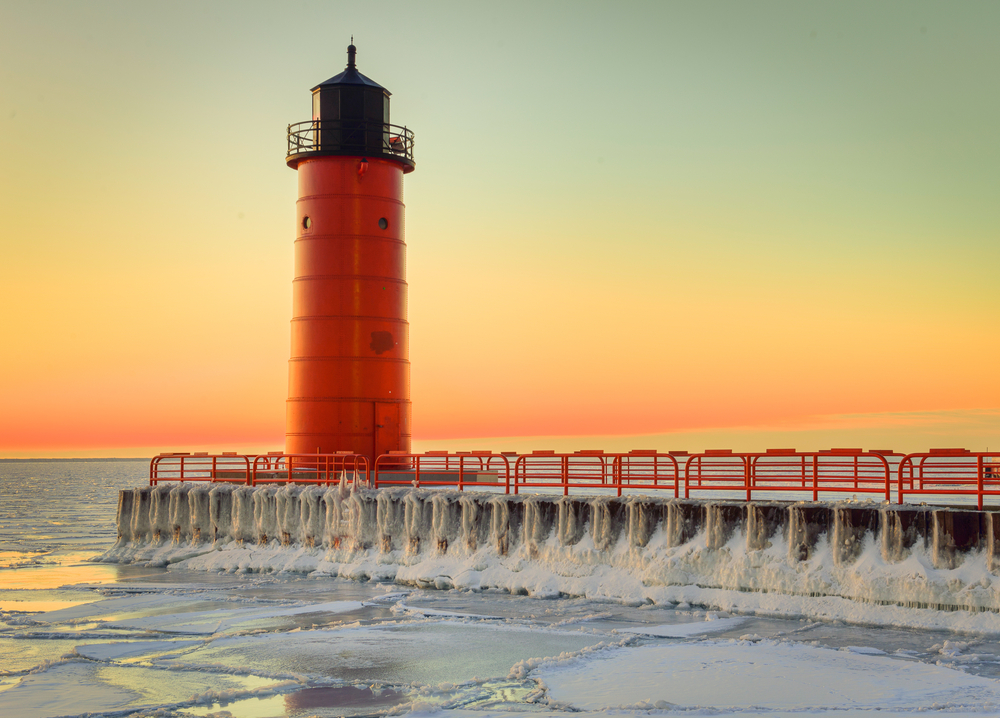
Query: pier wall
x: 550, y: 545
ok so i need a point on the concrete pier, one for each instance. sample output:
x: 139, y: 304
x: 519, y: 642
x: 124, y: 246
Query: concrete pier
x: 946, y: 557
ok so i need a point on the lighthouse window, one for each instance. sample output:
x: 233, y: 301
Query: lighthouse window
x: 383, y: 223
x: 306, y: 223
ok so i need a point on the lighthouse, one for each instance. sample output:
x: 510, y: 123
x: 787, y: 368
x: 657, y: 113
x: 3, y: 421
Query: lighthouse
x: 349, y: 371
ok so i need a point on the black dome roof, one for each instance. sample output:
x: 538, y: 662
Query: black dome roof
x: 351, y: 76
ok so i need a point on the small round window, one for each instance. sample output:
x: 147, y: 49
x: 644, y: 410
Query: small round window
x: 383, y: 223
x: 306, y: 223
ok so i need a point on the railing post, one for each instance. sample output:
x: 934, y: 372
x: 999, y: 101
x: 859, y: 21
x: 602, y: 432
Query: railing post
x: 899, y: 480
x: 888, y: 477
x: 815, y: 477
x: 749, y: 466
x: 979, y: 479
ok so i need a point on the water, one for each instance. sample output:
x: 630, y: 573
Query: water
x: 78, y: 637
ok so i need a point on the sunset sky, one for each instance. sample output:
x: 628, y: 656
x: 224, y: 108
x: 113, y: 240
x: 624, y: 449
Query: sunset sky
x: 632, y: 225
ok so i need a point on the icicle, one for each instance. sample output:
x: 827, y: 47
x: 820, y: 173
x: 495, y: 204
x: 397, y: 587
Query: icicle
x: 288, y: 514
x: 721, y: 522
x: 199, y: 515
x: 476, y: 523
x: 847, y: 534
x: 265, y: 515
x: 539, y: 517
x: 141, y: 507
x: 363, y: 520
x: 220, y: 507
x: 336, y: 521
x: 500, y: 528
x: 123, y: 518
x: 607, y: 521
x: 571, y: 520
x: 806, y: 522
x: 445, y: 523
x: 992, y: 538
x: 763, y: 522
x: 644, y: 516
x: 390, y: 517
x: 244, y: 519
x: 180, y: 513
x: 418, y: 517
x: 683, y: 521
x: 311, y: 517
x: 160, y: 512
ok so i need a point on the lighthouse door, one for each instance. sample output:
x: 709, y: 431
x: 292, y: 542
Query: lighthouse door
x: 386, y: 428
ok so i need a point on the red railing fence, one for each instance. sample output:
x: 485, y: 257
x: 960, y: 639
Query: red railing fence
x: 782, y: 473
x: 949, y: 472
x: 593, y: 468
x: 325, y: 469
x: 790, y: 472
x: 443, y: 468
x: 201, y: 466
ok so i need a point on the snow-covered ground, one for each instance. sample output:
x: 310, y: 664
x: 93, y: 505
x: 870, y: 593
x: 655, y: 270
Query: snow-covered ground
x: 271, y: 630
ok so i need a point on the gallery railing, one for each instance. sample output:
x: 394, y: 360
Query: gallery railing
x: 350, y: 137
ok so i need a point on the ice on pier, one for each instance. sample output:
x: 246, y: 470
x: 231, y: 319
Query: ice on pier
x: 860, y: 561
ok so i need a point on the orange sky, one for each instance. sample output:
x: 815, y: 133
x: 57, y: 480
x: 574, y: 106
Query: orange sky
x: 655, y: 224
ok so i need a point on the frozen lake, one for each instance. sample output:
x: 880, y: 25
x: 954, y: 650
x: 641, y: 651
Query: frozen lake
x: 82, y: 638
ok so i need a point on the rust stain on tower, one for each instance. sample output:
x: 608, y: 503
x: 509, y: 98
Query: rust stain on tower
x: 349, y: 372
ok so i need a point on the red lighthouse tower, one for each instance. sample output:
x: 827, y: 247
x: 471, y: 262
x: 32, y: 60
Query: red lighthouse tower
x: 349, y: 372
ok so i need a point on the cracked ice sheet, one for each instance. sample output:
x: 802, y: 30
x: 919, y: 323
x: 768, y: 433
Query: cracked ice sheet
x: 763, y: 675
x: 684, y: 630
x: 119, y: 650
x: 427, y: 652
x: 185, y: 614
x: 422, y: 711
x: 98, y: 687
x: 226, y: 619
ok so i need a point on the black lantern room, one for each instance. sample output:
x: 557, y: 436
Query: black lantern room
x: 350, y: 116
